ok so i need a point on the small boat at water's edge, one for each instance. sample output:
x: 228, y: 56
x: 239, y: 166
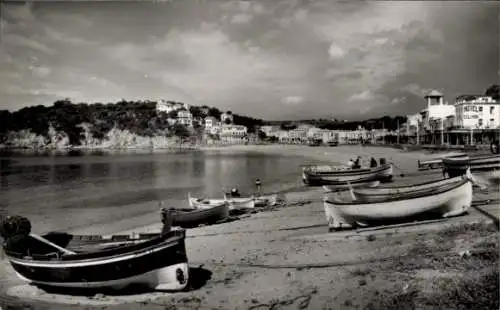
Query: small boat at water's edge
x: 381, y: 173
x: 159, y: 263
x: 236, y: 202
x: 446, y: 201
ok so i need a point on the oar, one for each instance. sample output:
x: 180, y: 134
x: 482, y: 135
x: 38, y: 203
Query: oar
x: 47, y: 242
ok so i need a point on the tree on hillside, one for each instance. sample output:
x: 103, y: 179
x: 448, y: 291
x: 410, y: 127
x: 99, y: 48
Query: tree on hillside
x: 173, y: 114
x: 493, y: 91
x: 180, y: 131
x: 214, y: 112
x: 196, y: 112
x: 227, y: 121
x: 262, y: 135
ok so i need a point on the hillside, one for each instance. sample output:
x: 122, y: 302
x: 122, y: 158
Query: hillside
x: 121, y: 124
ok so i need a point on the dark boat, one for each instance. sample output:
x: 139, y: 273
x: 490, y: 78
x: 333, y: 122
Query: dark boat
x: 333, y: 143
x: 341, y: 176
x: 314, y: 142
x: 189, y: 218
x: 159, y: 263
x: 458, y: 166
x: 436, y: 163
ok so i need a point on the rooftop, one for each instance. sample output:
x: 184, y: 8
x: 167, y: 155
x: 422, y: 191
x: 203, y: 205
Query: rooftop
x: 434, y: 93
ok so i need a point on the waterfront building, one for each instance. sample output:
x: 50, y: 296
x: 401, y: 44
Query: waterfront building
x: 477, y: 112
x: 233, y: 133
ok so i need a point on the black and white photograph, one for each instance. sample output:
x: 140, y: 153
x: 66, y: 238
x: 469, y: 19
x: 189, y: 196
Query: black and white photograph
x: 249, y: 154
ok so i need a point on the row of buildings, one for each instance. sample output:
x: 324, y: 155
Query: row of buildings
x: 224, y: 129
x: 441, y: 123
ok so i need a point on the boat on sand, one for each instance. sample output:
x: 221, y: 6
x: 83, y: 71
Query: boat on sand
x: 315, y: 177
x: 159, y: 263
x: 385, y: 193
x: 342, y: 210
x: 235, y: 202
x: 458, y: 166
x: 189, y: 218
x: 437, y: 163
x: 345, y: 186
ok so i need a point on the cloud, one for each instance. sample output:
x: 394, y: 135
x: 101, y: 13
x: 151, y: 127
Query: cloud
x: 40, y: 71
x: 241, y: 18
x: 292, y: 100
x: 336, y: 51
x: 363, y: 96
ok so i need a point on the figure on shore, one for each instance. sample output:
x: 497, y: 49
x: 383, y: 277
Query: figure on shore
x: 373, y: 163
x: 258, y: 184
x: 235, y: 192
x: 350, y: 163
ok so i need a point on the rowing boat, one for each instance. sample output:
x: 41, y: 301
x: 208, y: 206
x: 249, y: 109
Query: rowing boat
x: 458, y: 166
x: 312, y: 177
x: 385, y: 193
x: 436, y: 163
x: 346, y: 186
x: 235, y: 202
x: 344, y: 211
x: 159, y: 263
x: 189, y: 218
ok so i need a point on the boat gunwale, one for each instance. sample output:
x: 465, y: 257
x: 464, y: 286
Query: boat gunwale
x: 398, y: 198
x: 172, y: 237
x: 412, y: 185
x: 365, y: 171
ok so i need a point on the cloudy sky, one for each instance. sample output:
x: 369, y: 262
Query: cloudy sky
x: 275, y: 59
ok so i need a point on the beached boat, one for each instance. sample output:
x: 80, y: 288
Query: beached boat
x: 188, y: 218
x: 159, y: 263
x: 235, y: 202
x: 386, y: 193
x: 315, y: 177
x: 346, y: 186
x: 436, y: 163
x: 333, y: 143
x: 458, y: 166
x: 343, y: 211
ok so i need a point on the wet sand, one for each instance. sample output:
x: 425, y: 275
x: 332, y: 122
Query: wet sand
x: 279, y: 259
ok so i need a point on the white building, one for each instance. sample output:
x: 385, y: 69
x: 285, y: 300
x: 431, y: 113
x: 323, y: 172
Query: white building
x: 436, y: 112
x: 233, y: 133
x: 185, y: 118
x: 169, y: 106
x: 477, y: 111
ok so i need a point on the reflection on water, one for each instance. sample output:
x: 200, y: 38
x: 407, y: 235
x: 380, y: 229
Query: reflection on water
x: 82, y: 189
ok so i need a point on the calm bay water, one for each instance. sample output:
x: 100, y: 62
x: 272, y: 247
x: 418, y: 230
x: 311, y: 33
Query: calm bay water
x: 67, y: 192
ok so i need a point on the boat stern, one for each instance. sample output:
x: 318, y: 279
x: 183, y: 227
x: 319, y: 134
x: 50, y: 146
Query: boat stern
x: 170, y: 278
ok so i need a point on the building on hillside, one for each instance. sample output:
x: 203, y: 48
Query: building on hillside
x: 269, y: 130
x: 233, y: 133
x: 298, y: 135
x: 314, y: 133
x: 169, y: 106
x: 210, y: 122
x: 329, y: 136
x: 477, y: 111
x: 185, y: 118
x: 226, y: 117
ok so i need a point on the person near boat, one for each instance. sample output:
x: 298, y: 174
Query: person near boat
x: 357, y: 163
x: 235, y: 192
x: 258, y: 184
x: 373, y: 163
x: 350, y: 163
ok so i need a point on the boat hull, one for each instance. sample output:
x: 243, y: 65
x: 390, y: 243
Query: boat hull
x: 458, y: 166
x: 382, y: 174
x: 234, y: 202
x: 445, y: 202
x: 381, y: 193
x: 436, y: 163
x: 346, y: 186
x: 160, y: 264
x: 193, y: 218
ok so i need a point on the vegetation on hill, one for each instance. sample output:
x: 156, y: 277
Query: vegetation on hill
x: 97, y: 121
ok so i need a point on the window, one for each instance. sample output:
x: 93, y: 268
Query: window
x: 480, y: 108
x: 492, y: 109
x: 480, y: 122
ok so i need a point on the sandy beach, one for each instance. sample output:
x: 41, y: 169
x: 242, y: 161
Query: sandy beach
x: 286, y: 259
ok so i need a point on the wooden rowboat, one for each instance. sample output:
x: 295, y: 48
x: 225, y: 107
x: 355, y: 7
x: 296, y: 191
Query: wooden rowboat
x: 346, y: 186
x: 234, y: 202
x: 385, y: 193
x: 189, y: 218
x: 159, y: 263
x: 458, y: 166
x: 382, y: 173
x: 446, y: 201
x: 436, y: 163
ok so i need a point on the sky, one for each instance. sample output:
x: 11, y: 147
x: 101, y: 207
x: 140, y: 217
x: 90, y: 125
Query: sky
x: 280, y: 59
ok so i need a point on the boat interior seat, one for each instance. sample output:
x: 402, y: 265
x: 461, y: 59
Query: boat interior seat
x: 25, y: 245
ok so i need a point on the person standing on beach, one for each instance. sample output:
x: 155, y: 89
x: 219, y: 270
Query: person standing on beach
x: 373, y: 163
x: 258, y: 184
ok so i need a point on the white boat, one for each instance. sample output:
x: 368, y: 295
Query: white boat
x: 344, y: 211
x: 313, y: 177
x: 346, y: 186
x: 234, y: 202
x: 381, y: 193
